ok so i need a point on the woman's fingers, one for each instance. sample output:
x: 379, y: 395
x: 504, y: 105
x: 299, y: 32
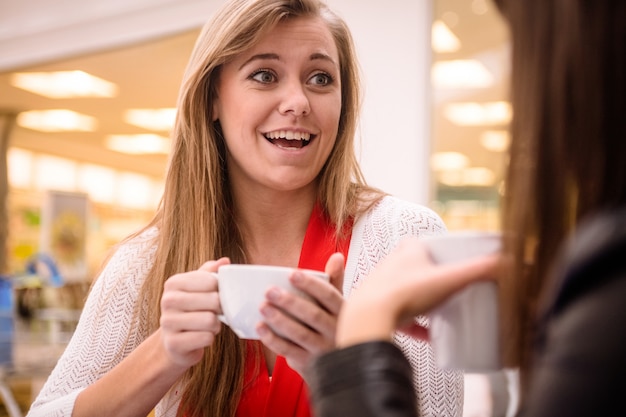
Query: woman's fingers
x: 325, y: 294
x: 403, y: 285
x: 296, y: 356
x: 188, y: 301
x: 299, y: 327
x: 299, y: 320
x: 408, y: 282
x: 189, y: 308
x: 432, y: 287
x: 187, y: 347
x: 318, y: 311
x: 191, y: 321
x: 212, y: 266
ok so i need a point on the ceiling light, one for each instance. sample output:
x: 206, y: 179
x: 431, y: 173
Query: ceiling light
x: 20, y: 167
x: 64, y: 84
x: 139, y: 144
x: 152, y: 119
x: 477, y: 177
x: 459, y: 209
x: 450, y: 178
x: 450, y: 18
x: 98, y: 182
x: 135, y: 191
x: 461, y: 73
x: 479, y: 7
x: 477, y: 114
x: 59, y: 120
x: 448, y: 161
x: 443, y: 39
x: 495, y: 140
x: 63, y: 170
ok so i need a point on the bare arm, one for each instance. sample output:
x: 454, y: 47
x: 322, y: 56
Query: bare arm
x: 134, y: 386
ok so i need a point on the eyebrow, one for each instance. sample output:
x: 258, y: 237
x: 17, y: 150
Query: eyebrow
x: 313, y: 57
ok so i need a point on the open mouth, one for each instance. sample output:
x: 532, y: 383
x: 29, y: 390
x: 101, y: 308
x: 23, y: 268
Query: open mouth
x: 288, y: 139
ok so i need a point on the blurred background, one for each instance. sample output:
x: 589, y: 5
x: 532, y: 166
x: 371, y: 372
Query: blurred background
x: 88, y: 95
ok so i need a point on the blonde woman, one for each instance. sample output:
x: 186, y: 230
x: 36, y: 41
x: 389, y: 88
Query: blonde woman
x: 262, y: 171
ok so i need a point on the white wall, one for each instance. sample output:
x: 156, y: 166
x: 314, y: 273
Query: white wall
x: 393, y: 43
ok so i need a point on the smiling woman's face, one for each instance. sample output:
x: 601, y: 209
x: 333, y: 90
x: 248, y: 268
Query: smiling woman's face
x: 279, y: 105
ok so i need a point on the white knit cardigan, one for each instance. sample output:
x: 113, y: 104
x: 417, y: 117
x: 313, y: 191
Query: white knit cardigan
x: 106, y: 332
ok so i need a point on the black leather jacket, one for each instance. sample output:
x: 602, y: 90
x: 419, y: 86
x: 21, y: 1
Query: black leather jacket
x: 580, y: 357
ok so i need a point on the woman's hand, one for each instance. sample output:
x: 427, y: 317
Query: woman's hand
x: 189, y: 308
x: 404, y: 285
x: 300, y: 329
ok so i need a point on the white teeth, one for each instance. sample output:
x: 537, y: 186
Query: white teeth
x: 288, y: 134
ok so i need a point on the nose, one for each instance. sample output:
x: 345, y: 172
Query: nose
x: 295, y: 100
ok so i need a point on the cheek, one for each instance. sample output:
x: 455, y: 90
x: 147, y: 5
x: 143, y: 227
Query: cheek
x: 229, y: 112
x: 330, y: 139
x: 328, y: 108
x: 332, y: 115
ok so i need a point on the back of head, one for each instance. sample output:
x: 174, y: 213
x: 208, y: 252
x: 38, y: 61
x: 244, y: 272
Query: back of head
x: 568, y: 154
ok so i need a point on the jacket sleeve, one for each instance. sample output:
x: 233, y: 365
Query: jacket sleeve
x: 369, y: 379
x: 580, y: 354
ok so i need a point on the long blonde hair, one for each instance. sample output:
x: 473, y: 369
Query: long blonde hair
x: 194, y: 217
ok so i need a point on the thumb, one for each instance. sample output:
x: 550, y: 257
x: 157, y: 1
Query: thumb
x: 335, y: 269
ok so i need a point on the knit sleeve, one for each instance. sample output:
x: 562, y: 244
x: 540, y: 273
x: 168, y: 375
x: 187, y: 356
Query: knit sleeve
x: 374, y: 236
x: 106, y: 332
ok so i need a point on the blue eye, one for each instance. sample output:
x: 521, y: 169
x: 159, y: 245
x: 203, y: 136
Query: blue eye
x: 263, y: 76
x: 321, y: 79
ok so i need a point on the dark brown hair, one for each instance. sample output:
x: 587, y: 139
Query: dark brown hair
x: 568, y: 151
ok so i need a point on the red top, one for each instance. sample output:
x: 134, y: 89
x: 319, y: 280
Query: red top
x: 285, y: 395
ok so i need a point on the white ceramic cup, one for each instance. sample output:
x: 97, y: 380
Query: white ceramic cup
x: 242, y: 290
x: 464, y: 331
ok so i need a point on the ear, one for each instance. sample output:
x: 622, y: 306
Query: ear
x: 215, y: 107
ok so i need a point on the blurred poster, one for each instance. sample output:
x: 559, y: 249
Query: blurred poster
x: 64, y: 233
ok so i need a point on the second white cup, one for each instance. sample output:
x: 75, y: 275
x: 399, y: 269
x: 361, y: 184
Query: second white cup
x: 242, y: 290
x: 464, y: 331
